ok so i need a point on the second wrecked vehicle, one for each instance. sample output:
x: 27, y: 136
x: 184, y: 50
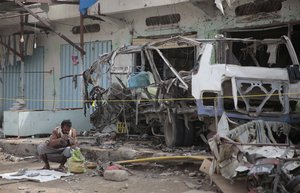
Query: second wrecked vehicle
x: 182, y: 99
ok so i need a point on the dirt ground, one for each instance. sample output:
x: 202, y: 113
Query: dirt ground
x: 147, y: 178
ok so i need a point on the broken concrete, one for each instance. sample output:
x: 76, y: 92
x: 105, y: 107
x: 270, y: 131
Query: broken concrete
x: 116, y: 175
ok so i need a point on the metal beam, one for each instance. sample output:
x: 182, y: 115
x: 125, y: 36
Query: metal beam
x: 38, y: 26
x: 50, y: 27
x: 92, y: 17
x: 81, y: 36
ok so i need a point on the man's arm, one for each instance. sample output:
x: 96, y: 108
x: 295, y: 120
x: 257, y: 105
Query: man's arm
x: 73, y: 140
x: 54, y: 140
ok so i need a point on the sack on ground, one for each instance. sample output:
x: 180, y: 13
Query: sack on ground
x: 76, y: 162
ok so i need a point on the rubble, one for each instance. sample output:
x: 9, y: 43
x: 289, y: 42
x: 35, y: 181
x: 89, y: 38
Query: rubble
x: 259, y: 151
x: 13, y: 158
x: 115, y: 175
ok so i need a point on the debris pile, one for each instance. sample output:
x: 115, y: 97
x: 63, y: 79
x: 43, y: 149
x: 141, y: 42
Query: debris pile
x: 177, y: 99
x: 258, y: 151
x: 13, y: 158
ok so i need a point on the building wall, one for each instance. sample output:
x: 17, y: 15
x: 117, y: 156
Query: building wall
x: 206, y: 19
x: 196, y: 16
x: 52, y: 43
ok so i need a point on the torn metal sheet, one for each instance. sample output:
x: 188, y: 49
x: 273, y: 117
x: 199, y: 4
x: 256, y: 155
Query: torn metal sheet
x: 238, y: 153
x: 231, y: 157
x: 219, y: 4
x: 272, y: 49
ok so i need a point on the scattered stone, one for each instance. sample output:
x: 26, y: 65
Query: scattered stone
x: 126, y: 186
x: 91, y: 165
x: 128, y: 153
x: 116, y: 175
x: 192, y: 174
x: 167, y: 174
x: 23, y: 188
x: 165, y: 179
x: 190, y: 185
x: 151, y: 176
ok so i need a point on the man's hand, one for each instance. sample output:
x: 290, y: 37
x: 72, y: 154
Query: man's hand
x: 63, y: 142
x: 69, y: 140
x: 72, y: 140
x: 65, y: 137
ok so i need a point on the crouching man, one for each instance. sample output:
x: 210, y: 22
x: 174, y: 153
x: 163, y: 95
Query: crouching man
x: 58, y: 148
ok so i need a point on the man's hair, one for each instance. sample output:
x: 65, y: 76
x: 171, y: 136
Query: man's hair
x: 66, y: 123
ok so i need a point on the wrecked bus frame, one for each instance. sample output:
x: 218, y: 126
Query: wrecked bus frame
x: 246, y: 78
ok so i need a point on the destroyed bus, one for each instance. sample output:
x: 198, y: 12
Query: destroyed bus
x: 183, y: 99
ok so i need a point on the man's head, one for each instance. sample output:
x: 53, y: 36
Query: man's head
x: 66, y: 126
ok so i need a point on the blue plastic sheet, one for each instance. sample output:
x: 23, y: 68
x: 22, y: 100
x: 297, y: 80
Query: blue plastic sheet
x: 138, y: 80
x: 85, y: 4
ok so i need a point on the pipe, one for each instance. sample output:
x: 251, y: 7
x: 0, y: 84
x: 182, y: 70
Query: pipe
x: 165, y: 158
x: 21, y: 44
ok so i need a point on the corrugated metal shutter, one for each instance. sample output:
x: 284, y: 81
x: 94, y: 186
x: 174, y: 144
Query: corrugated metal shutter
x: 70, y: 96
x: 33, y: 81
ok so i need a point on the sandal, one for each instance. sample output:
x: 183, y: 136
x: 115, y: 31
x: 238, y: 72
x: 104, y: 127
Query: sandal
x: 61, y: 169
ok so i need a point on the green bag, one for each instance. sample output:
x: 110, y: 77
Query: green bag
x: 76, y: 162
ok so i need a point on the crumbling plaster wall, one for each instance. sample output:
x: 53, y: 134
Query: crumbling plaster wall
x: 207, y: 20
